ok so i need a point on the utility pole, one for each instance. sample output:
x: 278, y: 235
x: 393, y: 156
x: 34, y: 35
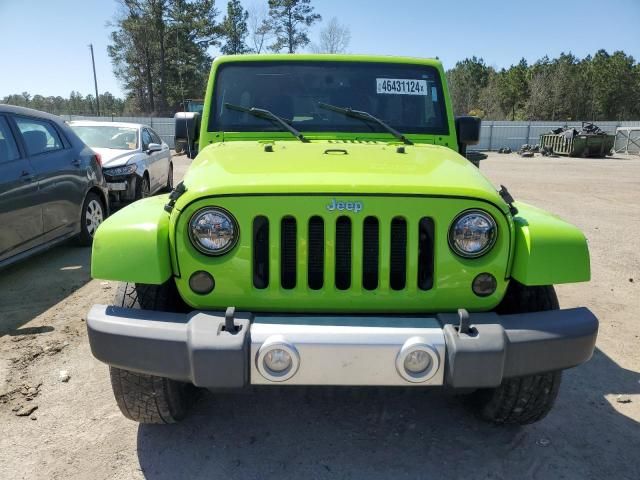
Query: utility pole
x: 95, y: 79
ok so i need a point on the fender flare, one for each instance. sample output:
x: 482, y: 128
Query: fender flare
x: 133, y: 244
x: 548, y: 250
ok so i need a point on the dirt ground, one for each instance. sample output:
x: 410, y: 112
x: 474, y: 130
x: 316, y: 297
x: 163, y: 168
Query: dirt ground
x: 77, y: 432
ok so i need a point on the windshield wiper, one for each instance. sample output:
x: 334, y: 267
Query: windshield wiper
x: 366, y: 116
x: 266, y: 114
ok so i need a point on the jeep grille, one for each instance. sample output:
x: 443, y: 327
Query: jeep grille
x: 360, y: 249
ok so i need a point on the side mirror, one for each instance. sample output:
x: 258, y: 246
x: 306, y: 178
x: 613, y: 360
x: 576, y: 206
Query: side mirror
x: 154, y: 147
x: 468, y: 132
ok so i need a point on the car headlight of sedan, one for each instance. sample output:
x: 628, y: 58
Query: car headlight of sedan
x: 473, y: 233
x: 118, y: 171
x: 213, y: 231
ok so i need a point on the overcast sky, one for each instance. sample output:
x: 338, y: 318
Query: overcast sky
x: 44, y: 43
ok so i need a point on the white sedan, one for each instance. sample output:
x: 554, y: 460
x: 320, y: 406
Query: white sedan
x: 135, y: 161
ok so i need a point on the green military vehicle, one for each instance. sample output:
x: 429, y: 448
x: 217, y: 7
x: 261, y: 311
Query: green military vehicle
x: 329, y: 232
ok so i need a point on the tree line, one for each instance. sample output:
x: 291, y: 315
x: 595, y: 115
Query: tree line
x: 599, y: 87
x: 75, y: 104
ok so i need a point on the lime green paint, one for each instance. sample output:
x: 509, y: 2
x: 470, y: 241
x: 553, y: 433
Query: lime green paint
x: 142, y: 243
x: 133, y: 244
x: 207, y: 138
x: 364, y: 168
x: 548, y: 250
x: 233, y: 271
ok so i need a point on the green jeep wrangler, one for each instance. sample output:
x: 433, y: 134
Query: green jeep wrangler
x: 331, y: 232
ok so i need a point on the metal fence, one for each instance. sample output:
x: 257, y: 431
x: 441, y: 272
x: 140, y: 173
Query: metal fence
x: 494, y: 134
x: 497, y: 134
x: 163, y: 126
x: 627, y: 140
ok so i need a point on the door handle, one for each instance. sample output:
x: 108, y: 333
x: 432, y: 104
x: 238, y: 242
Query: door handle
x: 76, y: 162
x: 26, y: 176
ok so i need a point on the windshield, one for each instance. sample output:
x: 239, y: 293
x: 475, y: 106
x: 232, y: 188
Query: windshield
x: 406, y: 97
x: 107, y: 136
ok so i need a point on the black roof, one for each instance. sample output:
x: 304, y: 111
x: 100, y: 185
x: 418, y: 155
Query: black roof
x: 4, y: 108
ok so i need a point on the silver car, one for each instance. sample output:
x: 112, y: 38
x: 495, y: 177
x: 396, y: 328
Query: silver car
x: 135, y: 161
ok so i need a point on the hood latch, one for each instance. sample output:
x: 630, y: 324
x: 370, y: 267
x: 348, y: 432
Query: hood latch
x: 174, y: 195
x: 506, y: 196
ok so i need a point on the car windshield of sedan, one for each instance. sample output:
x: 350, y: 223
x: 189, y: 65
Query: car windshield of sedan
x: 107, y: 136
x: 406, y: 97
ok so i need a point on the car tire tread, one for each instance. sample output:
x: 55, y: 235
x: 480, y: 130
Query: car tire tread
x: 528, y: 399
x: 147, y: 398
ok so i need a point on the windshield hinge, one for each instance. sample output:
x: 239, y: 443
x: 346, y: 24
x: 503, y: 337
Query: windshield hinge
x: 506, y: 196
x: 174, y: 195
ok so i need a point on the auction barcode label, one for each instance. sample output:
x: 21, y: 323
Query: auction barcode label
x: 401, y: 86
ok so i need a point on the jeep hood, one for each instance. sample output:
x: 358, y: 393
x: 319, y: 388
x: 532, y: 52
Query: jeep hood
x: 247, y: 167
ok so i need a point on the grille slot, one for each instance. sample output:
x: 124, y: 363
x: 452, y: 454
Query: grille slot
x: 288, y: 243
x: 315, y: 272
x: 343, y: 253
x: 370, y: 253
x: 425, y: 254
x: 260, y: 252
x: 398, y: 254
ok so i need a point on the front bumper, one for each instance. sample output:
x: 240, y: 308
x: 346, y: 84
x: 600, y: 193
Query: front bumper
x: 122, y: 188
x: 341, y: 350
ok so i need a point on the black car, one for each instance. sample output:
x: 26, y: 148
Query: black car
x: 51, y: 184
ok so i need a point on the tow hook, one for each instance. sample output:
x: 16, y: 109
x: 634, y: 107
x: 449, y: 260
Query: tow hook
x: 229, y: 322
x: 463, y: 317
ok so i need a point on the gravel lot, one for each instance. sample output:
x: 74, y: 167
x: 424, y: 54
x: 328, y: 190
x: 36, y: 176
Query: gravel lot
x: 77, y: 431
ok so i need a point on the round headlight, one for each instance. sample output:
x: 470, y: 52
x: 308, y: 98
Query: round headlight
x: 473, y: 233
x: 277, y: 360
x: 417, y: 360
x: 213, y: 231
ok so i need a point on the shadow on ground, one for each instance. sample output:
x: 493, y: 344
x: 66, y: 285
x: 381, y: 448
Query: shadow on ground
x: 32, y: 286
x: 397, y: 433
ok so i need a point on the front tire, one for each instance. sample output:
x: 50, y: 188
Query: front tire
x: 169, y: 185
x: 522, y: 400
x: 143, y: 187
x: 147, y: 398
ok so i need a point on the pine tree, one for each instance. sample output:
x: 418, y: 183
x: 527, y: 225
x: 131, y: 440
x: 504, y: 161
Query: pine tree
x: 290, y: 21
x: 234, y: 29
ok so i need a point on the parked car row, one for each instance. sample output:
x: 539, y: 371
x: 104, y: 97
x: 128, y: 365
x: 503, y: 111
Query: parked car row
x: 135, y: 161
x: 59, y: 180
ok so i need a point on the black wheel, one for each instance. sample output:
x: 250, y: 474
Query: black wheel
x: 92, y: 215
x: 143, y: 187
x: 147, y: 398
x: 528, y: 399
x: 169, y: 186
x: 193, y: 151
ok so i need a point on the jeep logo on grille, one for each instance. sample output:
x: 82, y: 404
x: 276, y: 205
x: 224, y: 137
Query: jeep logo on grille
x: 341, y: 205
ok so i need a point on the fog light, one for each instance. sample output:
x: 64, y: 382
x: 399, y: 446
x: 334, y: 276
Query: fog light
x: 417, y: 360
x: 277, y: 360
x: 484, y: 285
x: 202, y: 282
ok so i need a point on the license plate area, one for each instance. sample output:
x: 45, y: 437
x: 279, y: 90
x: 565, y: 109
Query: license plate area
x: 117, y: 186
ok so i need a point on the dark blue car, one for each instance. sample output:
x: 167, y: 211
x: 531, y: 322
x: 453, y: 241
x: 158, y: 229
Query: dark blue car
x: 51, y: 184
